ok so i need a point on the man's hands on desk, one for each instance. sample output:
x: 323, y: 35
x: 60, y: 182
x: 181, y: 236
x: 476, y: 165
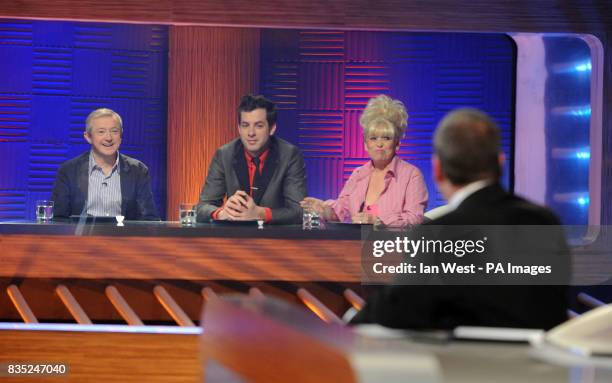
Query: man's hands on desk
x: 241, y: 207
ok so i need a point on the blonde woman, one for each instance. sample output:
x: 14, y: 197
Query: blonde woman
x: 386, y: 188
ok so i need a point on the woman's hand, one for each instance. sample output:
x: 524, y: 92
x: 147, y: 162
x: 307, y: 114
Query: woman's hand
x: 318, y: 206
x: 314, y: 204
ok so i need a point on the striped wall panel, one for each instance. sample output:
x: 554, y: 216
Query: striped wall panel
x: 353, y: 135
x: 52, y: 71
x: 16, y: 61
x: 328, y: 173
x: 44, y: 161
x: 16, y: 32
x: 460, y: 85
x: 363, y: 81
x: 322, y: 46
x: 281, y: 84
x: 93, y: 36
x: 129, y: 73
x: 366, y: 46
x: 60, y: 72
x: 14, y: 167
x: 412, y: 47
x: 410, y: 80
x: 321, y: 85
x: 417, y: 142
x: 14, y: 118
x: 350, y: 164
x: 12, y: 204
x: 321, y: 133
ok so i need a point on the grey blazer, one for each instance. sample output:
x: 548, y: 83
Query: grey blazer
x: 284, y: 174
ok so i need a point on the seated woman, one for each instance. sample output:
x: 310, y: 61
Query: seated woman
x: 386, y: 189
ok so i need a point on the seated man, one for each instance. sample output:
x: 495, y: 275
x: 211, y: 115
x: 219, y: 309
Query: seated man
x: 262, y: 176
x: 101, y: 181
x: 466, y: 168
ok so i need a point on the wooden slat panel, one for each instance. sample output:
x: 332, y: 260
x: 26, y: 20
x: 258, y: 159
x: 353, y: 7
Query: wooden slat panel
x: 356, y: 301
x: 72, y: 305
x: 181, y: 258
x: 317, y: 307
x: 210, y: 69
x: 21, y: 305
x: 122, y: 306
x: 175, y: 311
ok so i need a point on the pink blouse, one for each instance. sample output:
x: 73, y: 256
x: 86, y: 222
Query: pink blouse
x: 402, y: 201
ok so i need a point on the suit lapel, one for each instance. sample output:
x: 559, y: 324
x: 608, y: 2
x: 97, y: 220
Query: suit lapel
x: 240, y: 167
x: 268, y: 171
x: 126, y: 183
x: 82, y: 184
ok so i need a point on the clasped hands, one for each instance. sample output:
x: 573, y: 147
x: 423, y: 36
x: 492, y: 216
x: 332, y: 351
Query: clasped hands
x: 241, y: 207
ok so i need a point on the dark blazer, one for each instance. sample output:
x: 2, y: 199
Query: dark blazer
x: 449, y: 306
x: 283, y: 180
x: 72, y: 183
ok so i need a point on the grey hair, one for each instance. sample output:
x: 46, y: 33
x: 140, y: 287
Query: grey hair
x: 468, y: 142
x: 103, y: 112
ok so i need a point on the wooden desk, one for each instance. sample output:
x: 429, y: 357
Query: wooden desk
x: 104, y: 354
x: 140, y: 255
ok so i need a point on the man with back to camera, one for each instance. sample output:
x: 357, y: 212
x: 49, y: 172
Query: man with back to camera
x: 103, y: 182
x: 466, y: 167
x: 262, y: 176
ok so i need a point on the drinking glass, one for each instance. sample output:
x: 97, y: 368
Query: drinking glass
x: 44, y: 210
x: 187, y: 214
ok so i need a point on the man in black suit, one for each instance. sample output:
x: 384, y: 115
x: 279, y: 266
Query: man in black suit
x: 467, y: 167
x: 102, y: 181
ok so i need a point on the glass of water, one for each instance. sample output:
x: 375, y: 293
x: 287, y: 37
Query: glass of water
x: 187, y: 214
x: 310, y: 219
x: 44, y: 210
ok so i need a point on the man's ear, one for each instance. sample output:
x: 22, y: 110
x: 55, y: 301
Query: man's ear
x: 273, y: 129
x: 436, y: 166
x: 86, y: 135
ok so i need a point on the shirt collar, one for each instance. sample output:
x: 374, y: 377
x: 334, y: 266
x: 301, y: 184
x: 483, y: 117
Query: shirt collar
x: 391, y: 168
x: 460, y: 195
x: 93, y: 165
x: 262, y: 156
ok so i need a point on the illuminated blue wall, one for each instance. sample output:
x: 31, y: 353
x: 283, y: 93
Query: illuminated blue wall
x: 568, y: 103
x: 53, y: 75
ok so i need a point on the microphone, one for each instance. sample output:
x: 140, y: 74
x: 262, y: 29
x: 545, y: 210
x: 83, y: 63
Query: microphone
x: 104, y: 183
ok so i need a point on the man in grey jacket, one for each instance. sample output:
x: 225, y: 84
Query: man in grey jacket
x: 262, y: 176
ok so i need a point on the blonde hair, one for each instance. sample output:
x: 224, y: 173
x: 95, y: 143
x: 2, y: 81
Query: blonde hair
x: 103, y: 112
x: 381, y: 109
x: 381, y: 126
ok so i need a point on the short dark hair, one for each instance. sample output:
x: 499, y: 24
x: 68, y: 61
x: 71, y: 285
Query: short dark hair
x: 249, y: 103
x: 467, y: 142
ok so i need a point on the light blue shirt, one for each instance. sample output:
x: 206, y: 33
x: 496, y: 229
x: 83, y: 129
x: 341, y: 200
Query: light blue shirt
x: 104, y: 192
